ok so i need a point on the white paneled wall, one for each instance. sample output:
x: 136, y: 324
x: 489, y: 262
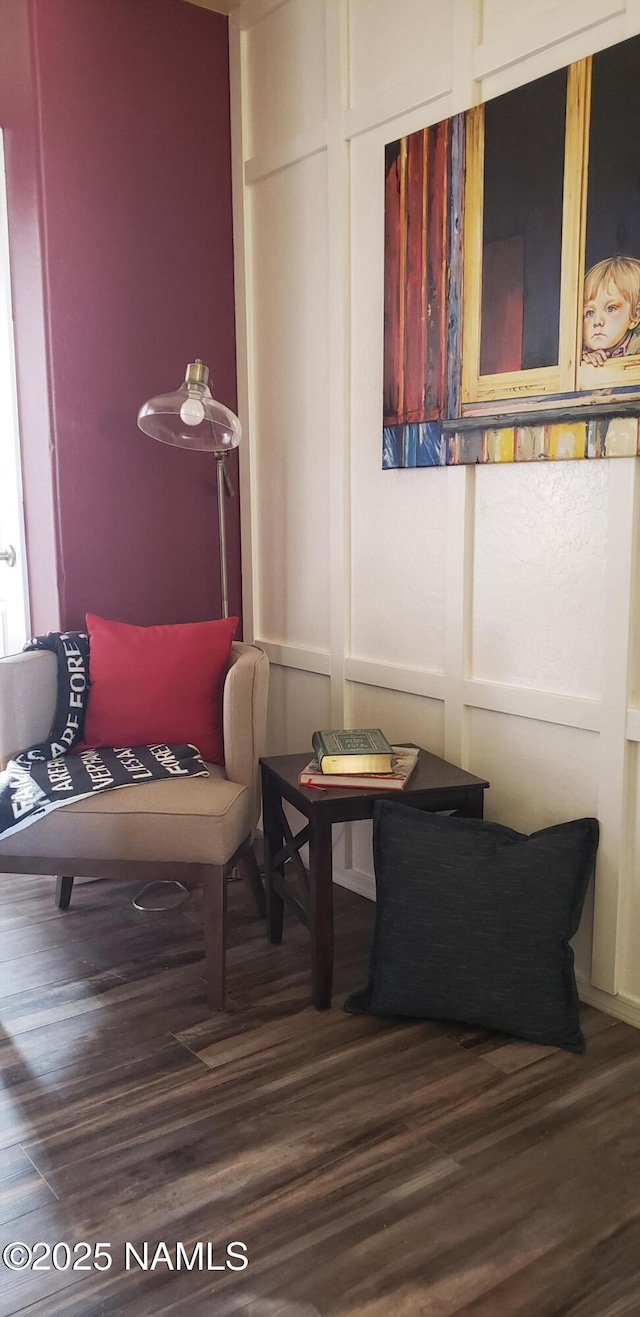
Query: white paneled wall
x: 290, y: 320
x: 389, y: 43
x: 285, y: 67
x: 488, y: 613
x: 298, y: 703
x: 410, y: 515
x: 498, y: 15
x: 539, y: 576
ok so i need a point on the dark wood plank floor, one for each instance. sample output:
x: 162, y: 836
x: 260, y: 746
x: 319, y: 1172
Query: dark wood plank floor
x: 371, y: 1168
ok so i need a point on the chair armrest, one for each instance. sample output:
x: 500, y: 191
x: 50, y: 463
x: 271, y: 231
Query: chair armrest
x: 28, y: 692
x: 244, y: 717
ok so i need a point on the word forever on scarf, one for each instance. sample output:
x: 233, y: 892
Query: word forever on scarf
x: 46, y: 776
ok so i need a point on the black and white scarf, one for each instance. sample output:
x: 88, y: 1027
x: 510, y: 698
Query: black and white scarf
x: 46, y: 776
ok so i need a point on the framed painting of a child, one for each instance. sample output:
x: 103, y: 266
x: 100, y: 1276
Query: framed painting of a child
x: 512, y: 273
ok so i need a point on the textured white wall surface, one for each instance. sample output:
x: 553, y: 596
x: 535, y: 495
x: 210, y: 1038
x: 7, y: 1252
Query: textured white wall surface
x: 539, y: 576
x: 489, y: 614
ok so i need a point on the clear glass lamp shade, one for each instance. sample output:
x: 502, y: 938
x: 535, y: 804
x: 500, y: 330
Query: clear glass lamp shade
x: 191, y: 418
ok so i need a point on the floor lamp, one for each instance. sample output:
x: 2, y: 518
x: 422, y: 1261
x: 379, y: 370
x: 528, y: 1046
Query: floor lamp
x: 191, y: 418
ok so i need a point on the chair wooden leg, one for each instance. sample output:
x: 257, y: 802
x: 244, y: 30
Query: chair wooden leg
x: 250, y: 874
x: 64, y: 884
x: 214, y: 887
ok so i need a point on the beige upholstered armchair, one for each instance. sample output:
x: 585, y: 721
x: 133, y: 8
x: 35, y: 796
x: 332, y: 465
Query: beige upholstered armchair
x: 194, y: 830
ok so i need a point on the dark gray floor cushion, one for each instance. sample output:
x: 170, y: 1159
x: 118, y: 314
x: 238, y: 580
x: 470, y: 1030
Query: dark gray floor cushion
x: 473, y: 922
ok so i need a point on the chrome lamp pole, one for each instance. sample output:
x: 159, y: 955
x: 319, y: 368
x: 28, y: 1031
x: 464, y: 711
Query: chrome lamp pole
x: 191, y: 418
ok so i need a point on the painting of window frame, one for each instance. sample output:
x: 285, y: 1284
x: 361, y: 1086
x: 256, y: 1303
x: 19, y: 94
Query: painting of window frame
x: 435, y: 391
x: 570, y: 374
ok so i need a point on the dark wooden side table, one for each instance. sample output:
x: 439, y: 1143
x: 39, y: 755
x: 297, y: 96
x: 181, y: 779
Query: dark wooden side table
x: 434, y: 785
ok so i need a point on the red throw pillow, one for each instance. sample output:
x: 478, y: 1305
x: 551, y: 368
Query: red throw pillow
x: 158, y: 684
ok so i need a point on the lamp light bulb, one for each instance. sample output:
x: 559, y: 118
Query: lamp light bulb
x: 192, y: 411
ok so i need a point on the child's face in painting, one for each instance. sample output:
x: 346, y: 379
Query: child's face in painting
x: 607, y: 318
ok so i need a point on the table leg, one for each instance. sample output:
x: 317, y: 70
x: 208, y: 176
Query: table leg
x: 273, y: 842
x: 321, y: 912
x: 475, y: 803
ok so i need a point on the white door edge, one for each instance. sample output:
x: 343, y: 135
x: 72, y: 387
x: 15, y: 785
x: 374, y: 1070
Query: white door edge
x: 14, y: 600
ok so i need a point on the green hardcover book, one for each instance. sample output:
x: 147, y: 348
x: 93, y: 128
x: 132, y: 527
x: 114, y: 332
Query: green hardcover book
x: 357, y: 750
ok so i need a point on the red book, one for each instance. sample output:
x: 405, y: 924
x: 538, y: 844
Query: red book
x: 404, y: 761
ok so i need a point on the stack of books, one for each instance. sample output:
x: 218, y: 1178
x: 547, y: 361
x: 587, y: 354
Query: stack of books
x: 358, y: 758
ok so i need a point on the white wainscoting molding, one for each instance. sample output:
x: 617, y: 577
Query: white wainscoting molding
x: 529, y: 36
x: 339, y: 452
x: 396, y: 102
x: 217, y: 6
x: 622, y: 1006
x: 477, y: 64
x: 286, y: 153
x: 364, y: 884
x: 250, y: 12
x: 498, y: 697
x: 614, y: 803
x: 526, y: 702
x: 391, y: 676
x: 289, y: 656
x: 633, y: 724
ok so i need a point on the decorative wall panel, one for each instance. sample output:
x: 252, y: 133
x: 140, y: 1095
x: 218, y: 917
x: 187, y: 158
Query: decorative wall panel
x: 512, y: 275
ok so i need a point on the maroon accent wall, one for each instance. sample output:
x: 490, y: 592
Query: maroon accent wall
x: 136, y: 227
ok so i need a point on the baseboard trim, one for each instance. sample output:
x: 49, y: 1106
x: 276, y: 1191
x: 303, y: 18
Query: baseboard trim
x: 624, y: 1007
x: 364, y: 884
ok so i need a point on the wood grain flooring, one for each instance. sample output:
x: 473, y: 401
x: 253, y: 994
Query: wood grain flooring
x: 372, y: 1168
